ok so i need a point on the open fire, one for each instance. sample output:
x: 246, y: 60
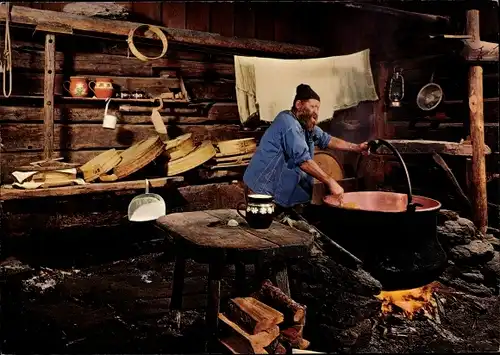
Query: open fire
x: 409, y: 302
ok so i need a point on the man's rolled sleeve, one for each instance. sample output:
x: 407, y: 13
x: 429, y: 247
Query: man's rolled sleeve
x: 322, y: 138
x: 295, y: 146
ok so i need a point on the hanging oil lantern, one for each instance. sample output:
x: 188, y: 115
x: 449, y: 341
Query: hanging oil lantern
x: 396, y: 88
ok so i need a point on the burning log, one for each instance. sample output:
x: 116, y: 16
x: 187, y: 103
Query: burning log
x: 409, y: 301
x: 294, y: 313
x: 254, y: 315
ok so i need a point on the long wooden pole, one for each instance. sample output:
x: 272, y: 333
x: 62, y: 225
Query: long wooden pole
x: 29, y: 16
x: 476, y: 115
x: 48, y: 95
x: 397, y: 12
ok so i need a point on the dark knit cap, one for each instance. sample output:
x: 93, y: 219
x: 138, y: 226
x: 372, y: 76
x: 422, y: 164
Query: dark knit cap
x: 304, y: 92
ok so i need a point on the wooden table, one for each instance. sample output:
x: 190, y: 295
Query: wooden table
x: 205, y: 237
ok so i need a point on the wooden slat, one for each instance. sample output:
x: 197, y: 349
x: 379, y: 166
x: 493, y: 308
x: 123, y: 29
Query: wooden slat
x: 452, y: 132
x: 222, y: 18
x: 174, y: 14
x: 244, y: 20
x: 198, y: 89
x: 53, y: 6
x: 264, y: 21
x: 28, y: 137
x: 429, y: 147
x: 283, y: 24
x: 218, y: 113
x: 33, y: 84
x: 198, y: 16
x: 147, y: 11
x: 15, y: 194
x: 379, y: 107
x: 107, y: 64
x: 218, y: 90
x: 48, y: 93
x: 28, y: 16
x: 456, y: 110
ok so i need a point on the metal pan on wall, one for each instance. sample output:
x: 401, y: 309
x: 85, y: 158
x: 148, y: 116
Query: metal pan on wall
x: 430, y: 96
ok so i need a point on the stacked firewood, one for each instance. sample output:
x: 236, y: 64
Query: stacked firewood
x: 268, y: 322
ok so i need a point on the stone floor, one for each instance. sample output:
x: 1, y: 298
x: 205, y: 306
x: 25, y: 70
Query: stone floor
x: 121, y: 304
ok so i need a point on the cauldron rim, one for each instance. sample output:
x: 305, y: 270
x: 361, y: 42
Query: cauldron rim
x: 434, y: 204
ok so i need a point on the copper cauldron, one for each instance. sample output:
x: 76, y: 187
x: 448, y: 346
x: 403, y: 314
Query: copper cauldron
x: 394, y: 234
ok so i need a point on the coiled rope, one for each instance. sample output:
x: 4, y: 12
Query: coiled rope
x: 7, y: 56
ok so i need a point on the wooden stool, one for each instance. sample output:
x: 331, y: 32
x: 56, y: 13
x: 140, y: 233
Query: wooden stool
x: 205, y: 237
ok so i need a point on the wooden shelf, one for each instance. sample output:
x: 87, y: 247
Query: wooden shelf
x: 118, y: 100
x: 455, y: 102
x: 63, y: 99
x: 7, y: 192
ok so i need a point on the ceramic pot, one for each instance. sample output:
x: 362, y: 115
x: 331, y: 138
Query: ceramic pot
x: 77, y: 86
x: 259, y: 211
x: 103, y: 88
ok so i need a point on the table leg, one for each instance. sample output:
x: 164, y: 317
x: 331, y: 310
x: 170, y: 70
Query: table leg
x: 213, y: 304
x: 178, y: 286
x: 280, y: 278
x: 239, y: 279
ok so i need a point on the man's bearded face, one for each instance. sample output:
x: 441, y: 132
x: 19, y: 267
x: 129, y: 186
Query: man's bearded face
x: 307, y: 112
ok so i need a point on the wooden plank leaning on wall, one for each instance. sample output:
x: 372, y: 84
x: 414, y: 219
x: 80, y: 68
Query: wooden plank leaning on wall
x: 48, y: 95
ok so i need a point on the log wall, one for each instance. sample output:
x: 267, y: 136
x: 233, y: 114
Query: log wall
x: 208, y: 77
x: 405, y: 43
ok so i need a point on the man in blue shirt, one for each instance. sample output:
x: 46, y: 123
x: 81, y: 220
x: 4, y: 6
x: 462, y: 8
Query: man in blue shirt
x: 283, y: 164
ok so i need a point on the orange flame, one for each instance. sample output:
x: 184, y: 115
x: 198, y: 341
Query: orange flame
x: 409, y: 301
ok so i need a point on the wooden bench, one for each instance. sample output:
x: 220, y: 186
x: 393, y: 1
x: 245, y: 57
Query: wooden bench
x: 205, y: 237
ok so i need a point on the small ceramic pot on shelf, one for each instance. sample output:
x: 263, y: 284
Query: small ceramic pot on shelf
x: 103, y: 88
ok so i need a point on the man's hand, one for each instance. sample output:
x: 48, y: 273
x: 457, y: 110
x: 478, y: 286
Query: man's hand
x: 363, y: 148
x: 336, y: 190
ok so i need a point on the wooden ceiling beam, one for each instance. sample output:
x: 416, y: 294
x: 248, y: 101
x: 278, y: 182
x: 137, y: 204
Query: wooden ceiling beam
x: 35, y: 17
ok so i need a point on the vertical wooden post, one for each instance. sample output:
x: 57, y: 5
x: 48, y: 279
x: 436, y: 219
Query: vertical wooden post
x: 379, y: 112
x: 476, y: 114
x: 48, y: 96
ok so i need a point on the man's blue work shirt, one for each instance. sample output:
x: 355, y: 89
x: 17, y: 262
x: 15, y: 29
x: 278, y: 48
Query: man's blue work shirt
x: 275, y: 166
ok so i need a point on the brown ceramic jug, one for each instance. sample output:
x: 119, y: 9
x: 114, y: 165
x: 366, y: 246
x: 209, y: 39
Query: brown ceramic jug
x: 77, y: 86
x: 103, y: 88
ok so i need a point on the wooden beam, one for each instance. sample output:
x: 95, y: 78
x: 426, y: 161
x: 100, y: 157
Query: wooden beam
x: 420, y: 146
x: 7, y: 192
x: 35, y: 17
x: 379, y: 111
x: 476, y: 116
x: 48, y: 95
x: 397, y: 12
